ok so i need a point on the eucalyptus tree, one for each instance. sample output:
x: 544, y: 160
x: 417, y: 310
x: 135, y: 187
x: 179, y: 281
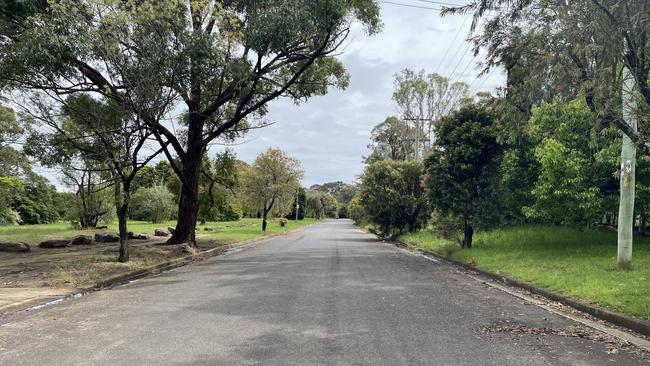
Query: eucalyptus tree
x: 110, y: 141
x: 272, y: 183
x: 220, y: 62
x: 391, y: 139
x: 423, y: 99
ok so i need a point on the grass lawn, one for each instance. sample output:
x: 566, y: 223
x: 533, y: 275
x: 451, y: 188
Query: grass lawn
x: 84, y: 265
x: 579, y: 263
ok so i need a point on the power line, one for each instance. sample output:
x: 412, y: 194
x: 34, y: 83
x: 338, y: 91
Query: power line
x: 409, y: 5
x: 467, y: 16
x: 438, y: 3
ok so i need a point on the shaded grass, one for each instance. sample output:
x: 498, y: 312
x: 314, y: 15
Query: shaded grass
x: 578, y: 263
x: 77, y: 266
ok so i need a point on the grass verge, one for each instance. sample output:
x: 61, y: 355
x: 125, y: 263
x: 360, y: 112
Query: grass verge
x: 81, y: 266
x: 577, y: 263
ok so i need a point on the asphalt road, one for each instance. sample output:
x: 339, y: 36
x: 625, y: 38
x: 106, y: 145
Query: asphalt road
x: 325, y: 295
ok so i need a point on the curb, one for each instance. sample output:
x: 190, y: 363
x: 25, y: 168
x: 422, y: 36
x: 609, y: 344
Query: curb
x: 176, y: 263
x: 142, y: 273
x: 638, y: 325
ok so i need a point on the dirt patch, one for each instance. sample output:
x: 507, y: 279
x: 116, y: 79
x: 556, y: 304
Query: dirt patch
x: 81, y: 266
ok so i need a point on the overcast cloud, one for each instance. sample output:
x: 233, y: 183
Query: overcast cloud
x: 329, y: 134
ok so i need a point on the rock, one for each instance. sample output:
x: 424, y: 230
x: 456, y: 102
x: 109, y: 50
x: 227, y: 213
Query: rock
x: 14, y: 247
x: 159, y: 232
x: 54, y: 243
x: 142, y: 236
x: 106, y: 238
x: 130, y: 235
x: 82, y: 240
x: 171, y: 230
x: 209, y: 229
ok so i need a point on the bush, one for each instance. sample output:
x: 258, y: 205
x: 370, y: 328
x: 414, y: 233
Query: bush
x: 393, y: 197
x: 232, y: 212
x: 283, y: 222
x: 357, y: 212
x: 154, y: 204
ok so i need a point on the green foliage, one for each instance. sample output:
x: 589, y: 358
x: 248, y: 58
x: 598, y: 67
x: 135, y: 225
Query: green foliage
x: 574, y: 164
x: 38, y: 203
x: 301, y: 200
x: 561, y: 192
x: 232, y: 212
x: 10, y: 188
x: 392, y: 196
x: 91, y: 204
x: 314, y: 205
x: 391, y: 139
x: 150, y: 176
x: 462, y: 170
x: 272, y: 182
x: 155, y: 204
x: 330, y: 205
x: 357, y: 211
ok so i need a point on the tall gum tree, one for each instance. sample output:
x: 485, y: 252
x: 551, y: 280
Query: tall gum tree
x: 220, y: 62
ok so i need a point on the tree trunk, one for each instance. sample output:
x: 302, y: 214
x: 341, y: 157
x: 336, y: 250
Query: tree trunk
x: 124, y: 234
x: 468, y: 235
x: 264, y: 218
x: 266, y: 212
x: 627, y: 178
x: 122, y: 197
x: 188, y: 205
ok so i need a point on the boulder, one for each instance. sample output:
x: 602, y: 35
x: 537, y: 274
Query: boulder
x: 159, y: 232
x: 106, y: 238
x: 141, y: 236
x: 14, y: 247
x: 82, y: 240
x: 171, y: 230
x: 54, y: 243
x: 209, y: 229
x: 130, y: 235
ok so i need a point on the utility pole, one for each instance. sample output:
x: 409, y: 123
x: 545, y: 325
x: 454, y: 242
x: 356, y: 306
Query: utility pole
x: 297, y: 203
x: 627, y: 178
x: 417, y: 121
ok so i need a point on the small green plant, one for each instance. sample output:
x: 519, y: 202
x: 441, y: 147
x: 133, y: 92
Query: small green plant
x: 283, y: 222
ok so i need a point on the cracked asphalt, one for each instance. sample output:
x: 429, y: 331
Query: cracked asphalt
x: 325, y: 295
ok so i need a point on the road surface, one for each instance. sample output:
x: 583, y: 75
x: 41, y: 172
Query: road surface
x: 325, y: 295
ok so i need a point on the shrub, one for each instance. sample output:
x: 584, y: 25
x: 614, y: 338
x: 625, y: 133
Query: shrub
x: 283, y: 222
x: 357, y: 212
x: 154, y: 204
x: 232, y: 212
x: 393, y: 197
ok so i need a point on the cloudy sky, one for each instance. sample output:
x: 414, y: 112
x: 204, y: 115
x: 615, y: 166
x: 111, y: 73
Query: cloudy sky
x: 329, y: 134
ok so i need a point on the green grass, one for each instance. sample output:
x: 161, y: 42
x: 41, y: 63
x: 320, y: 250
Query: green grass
x: 578, y: 263
x: 226, y: 232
